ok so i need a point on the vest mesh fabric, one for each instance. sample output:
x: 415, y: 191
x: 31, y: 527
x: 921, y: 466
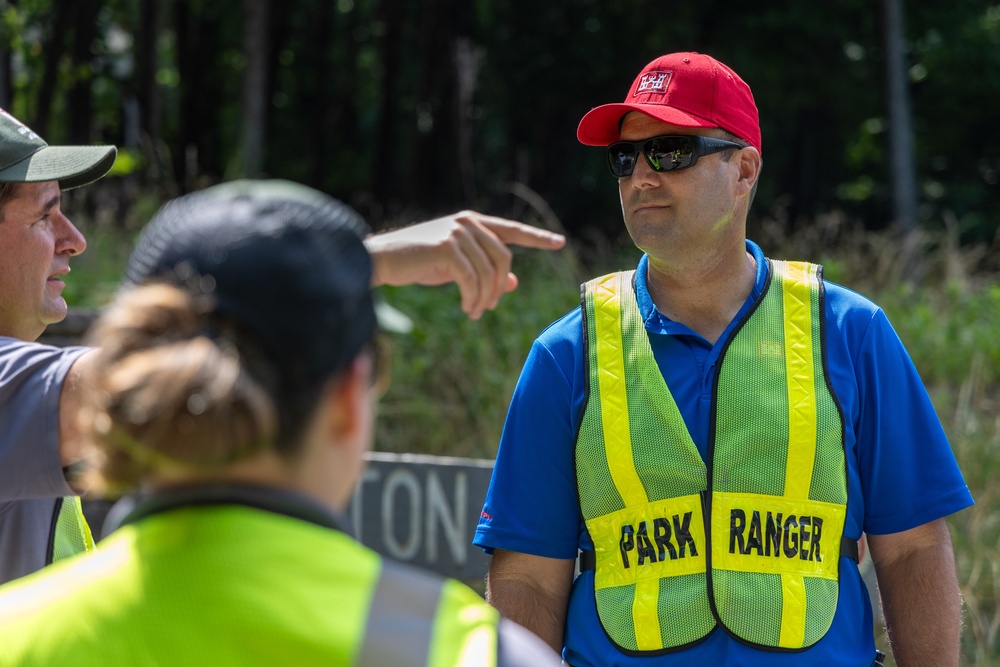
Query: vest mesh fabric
x: 664, y: 458
x: 72, y: 534
x: 778, y: 443
x: 752, y: 390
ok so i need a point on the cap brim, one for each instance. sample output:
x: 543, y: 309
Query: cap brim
x: 391, y: 319
x: 72, y: 166
x: 599, y: 126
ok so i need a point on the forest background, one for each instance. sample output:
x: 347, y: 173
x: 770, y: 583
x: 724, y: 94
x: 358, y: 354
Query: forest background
x: 880, y: 142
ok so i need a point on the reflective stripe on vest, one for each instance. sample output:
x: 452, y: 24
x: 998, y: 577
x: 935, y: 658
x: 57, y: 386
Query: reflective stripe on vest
x: 779, y: 478
x: 70, y: 532
x: 403, y: 622
x: 641, y: 478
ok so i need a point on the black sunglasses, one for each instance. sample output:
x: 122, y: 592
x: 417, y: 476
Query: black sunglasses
x: 667, y: 153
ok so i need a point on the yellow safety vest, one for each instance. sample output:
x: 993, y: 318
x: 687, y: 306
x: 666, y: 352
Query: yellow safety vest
x: 70, y: 532
x: 234, y: 585
x: 759, y: 554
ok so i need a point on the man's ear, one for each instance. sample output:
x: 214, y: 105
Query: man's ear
x: 749, y: 163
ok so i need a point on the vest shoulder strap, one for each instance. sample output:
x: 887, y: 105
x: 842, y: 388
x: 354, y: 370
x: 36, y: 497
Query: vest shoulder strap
x: 401, y: 617
x: 418, y: 618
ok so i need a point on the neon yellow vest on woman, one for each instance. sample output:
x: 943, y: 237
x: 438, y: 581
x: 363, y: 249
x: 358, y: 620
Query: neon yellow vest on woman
x: 759, y: 554
x: 236, y: 586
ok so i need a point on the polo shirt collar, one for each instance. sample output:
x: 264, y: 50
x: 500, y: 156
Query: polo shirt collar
x: 657, y: 322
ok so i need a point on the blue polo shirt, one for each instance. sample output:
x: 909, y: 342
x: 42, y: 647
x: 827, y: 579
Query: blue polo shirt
x: 901, y: 469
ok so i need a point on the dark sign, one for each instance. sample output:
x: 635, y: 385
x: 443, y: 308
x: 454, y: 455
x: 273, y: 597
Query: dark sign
x: 423, y: 510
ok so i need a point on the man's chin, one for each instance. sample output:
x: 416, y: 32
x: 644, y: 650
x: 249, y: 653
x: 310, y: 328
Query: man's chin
x: 55, y: 312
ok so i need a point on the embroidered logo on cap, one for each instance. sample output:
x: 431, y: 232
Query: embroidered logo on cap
x: 653, y: 82
x: 22, y: 128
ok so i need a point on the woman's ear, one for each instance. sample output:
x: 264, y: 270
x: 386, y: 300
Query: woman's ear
x: 339, y: 434
x: 347, y: 402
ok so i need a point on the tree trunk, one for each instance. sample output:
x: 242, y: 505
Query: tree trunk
x: 385, y: 176
x: 902, y: 165
x: 253, y: 123
x: 6, y: 73
x: 62, y: 11
x: 147, y: 90
x: 80, y: 95
x: 431, y: 172
x: 325, y: 75
x: 468, y: 59
x: 196, y: 44
x: 344, y: 121
x: 6, y: 93
x: 280, y: 33
x: 189, y: 73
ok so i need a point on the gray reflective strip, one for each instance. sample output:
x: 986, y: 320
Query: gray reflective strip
x: 401, y: 618
x: 519, y: 647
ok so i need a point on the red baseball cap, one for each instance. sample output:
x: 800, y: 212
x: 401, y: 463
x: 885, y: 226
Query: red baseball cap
x: 683, y: 89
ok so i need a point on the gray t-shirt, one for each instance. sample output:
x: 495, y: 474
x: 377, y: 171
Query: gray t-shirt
x: 31, y: 477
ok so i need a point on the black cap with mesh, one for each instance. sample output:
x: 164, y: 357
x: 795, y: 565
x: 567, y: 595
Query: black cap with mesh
x: 285, y: 265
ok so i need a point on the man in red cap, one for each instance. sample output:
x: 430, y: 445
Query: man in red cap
x: 713, y: 431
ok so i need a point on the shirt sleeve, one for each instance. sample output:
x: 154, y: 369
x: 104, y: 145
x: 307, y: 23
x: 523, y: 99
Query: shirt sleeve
x: 532, y: 505
x: 31, y: 379
x: 908, y: 470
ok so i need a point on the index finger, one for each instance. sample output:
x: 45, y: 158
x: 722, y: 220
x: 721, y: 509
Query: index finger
x: 520, y: 234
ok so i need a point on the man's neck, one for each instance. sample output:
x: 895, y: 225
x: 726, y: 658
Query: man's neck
x: 24, y: 328
x: 703, y: 293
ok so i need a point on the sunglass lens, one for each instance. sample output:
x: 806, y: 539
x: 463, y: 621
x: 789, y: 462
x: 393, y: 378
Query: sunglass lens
x: 621, y: 159
x: 669, y: 153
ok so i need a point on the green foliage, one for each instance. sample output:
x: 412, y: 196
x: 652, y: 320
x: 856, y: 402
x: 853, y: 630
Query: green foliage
x: 96, y: 273
x: 416, y: 108
x: 951, y: 331
x: 127, y: 162
x: 453, y: 377
x: 959, y: 152
x: 951, y: 334
x: 974, y: 430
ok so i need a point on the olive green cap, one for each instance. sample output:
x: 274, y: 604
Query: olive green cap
x: 26, y: 158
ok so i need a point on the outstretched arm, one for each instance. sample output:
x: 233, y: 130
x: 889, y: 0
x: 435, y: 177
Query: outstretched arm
x: 532, y: 591
x: 467, y: 248
x: 920, y: 596
x: 70, y: 428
